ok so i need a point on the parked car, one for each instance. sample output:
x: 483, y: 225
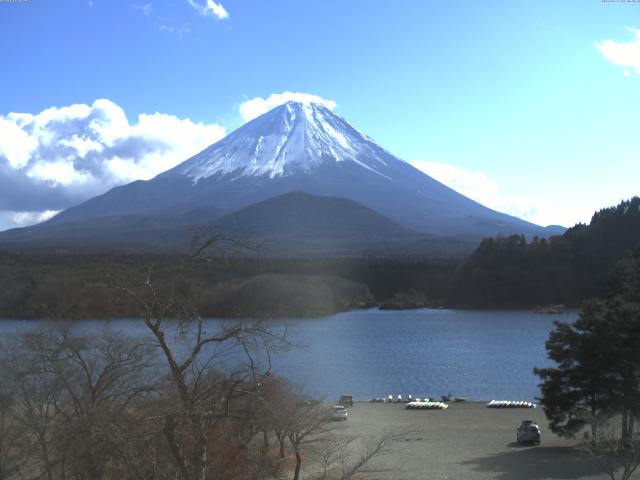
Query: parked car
x: 528, y: 432
x: 339, y: 413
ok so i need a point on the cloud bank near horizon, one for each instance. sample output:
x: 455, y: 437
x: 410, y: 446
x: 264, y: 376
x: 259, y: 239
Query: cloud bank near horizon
x: 62, y: 156
x: 479, y: 187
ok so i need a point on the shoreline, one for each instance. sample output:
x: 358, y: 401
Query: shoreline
x: 310, y: 316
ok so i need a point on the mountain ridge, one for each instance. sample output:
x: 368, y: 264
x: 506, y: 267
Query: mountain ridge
x: 305, y: 148
x: 295, y: 224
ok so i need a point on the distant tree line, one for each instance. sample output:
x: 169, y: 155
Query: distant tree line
x: 80, y: 286
x: 567, y: 269
x: 503, y: 272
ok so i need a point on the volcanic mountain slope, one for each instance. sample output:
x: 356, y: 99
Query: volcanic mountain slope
x: 299, y: 214
x: 295, y: 224
x: 301, y: 224
x: 293, y: 148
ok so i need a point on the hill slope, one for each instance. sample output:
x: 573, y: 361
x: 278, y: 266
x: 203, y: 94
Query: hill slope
x: 301, y: 224
x: 295, y: 224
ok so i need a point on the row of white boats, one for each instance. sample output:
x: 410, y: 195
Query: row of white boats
x: 426, y: 406
x: 399, y: 399
x: 427, y: 403
x: 510, y: 404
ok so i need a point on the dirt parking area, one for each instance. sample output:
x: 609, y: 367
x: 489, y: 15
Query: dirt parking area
x: 467, y: 440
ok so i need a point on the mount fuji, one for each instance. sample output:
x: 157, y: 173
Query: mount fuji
x: 295, y: 147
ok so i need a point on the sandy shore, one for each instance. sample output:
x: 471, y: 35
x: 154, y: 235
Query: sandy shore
x: 467, y: 440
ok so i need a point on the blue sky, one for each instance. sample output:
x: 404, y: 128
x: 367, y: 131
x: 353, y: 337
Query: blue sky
x: 529, y: 107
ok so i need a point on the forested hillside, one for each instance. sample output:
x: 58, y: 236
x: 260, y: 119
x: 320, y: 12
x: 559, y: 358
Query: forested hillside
x: 513, y: 272
x: 86, y: 286
x: 504, y: 272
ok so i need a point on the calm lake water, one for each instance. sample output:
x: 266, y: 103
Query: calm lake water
x: 481, y: 355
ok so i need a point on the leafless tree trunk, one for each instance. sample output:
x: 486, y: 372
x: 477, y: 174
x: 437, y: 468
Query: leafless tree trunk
x: 199, y: 372
x: 307, y: 421
x: 281, y: 435
x: 616, y: 450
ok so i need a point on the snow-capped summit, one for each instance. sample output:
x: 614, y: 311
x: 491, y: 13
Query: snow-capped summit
x: 294, y: 137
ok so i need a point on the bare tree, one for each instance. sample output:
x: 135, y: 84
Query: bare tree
x: 13, y: 454
x: 210, y: 243
x: 307, y: 422
x: 617, y: 451
x: 212, y: 370
x: 279, y: 401
x: 75, y: 399
x: 38, y: 414
x: 343, y: 458
x: 307, y: 425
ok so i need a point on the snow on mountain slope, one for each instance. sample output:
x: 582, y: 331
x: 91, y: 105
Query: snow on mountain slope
x: 294, y: 137
x: 300, y: 148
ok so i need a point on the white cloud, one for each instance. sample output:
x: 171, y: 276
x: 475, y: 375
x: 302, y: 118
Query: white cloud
x: 82, y: 145
x: 22, y: 219
x: 16, y: 145
x: 64, y: 155
x: 623, y: 54
x: 58, y: 173
x: 255, y: 107
x: 209, y: 9
x: 477, y: 186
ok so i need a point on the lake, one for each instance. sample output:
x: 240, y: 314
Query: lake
x: 481, y: 355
